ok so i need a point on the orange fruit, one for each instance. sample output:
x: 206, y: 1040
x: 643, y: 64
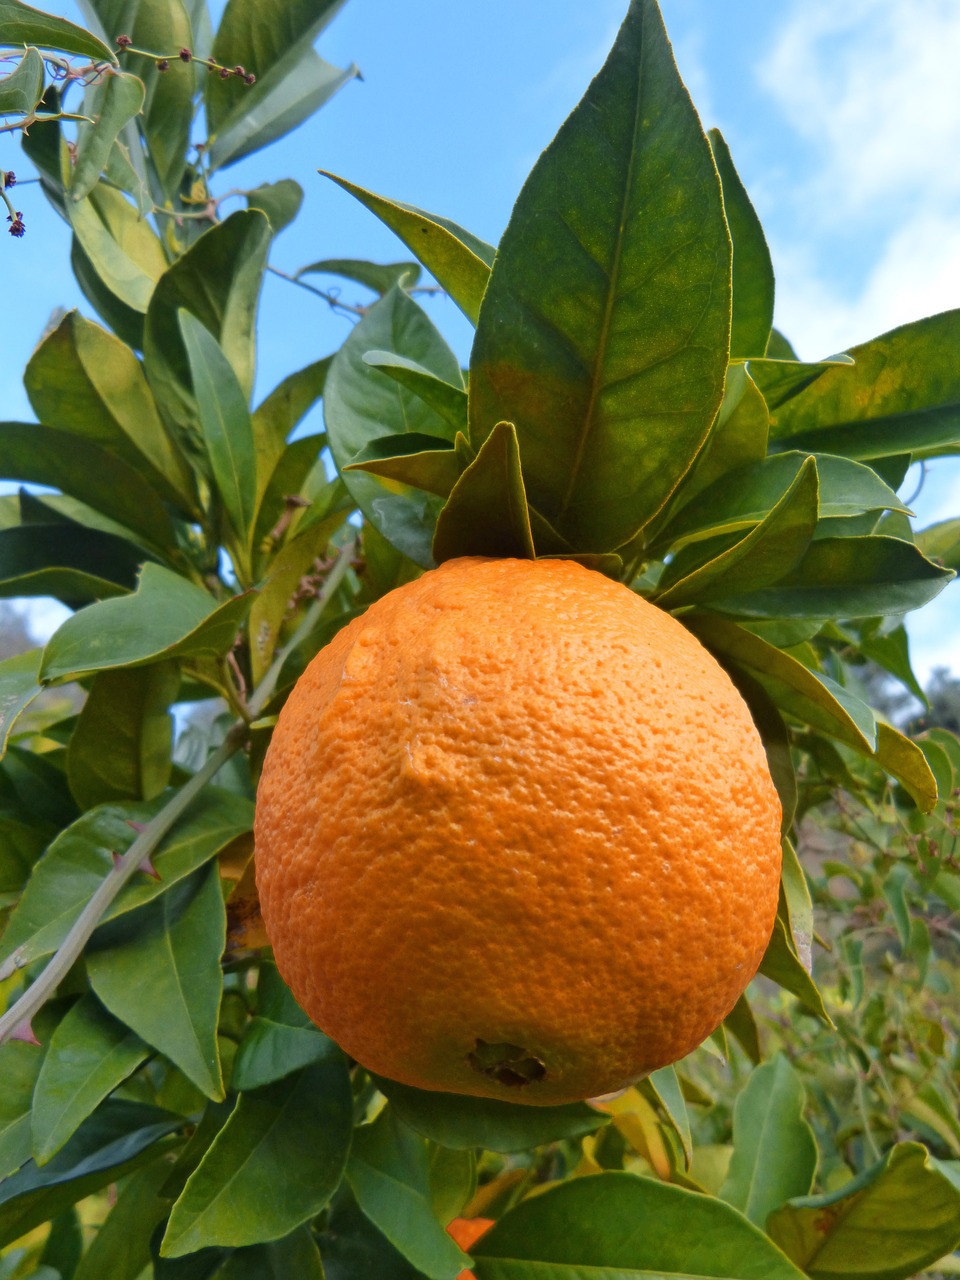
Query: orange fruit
x: 516, y: 835
x: 466, y: 1232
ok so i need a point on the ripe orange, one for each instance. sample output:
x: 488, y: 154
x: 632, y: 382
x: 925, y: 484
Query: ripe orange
x: 516, y: 836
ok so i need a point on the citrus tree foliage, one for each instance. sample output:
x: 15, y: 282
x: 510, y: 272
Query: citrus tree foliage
x: 628, y: 404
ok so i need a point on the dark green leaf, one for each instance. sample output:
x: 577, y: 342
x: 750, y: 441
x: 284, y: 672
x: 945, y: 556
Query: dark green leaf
x: 362, y: 404
x: 72, y: 564
x: 781, y: 378
x: 465, y: 1123
x: 85, y: 381
x: 63, y: 1248
x: 295, y: 1257
x: 22, y: 89
x: 21, y: 24
x: 280, y: 201
x: 225, y: 424
x: 715, y: 569
x: 891, y: 650
x: 276, y: 416
x: 448, y: 400
x: 605, y: 327
x: 774, y: 1150
x: 115, y: 101
x: 166, y: 617
x: 19, y: 1067
x: 19, y: 685
x: 629, y: 1228
x: 168, y: 111
x: 76, y: 862
x: 753, y: 285
x: 379, y: 277
x: 352, y: 1246
x: 218, y: 281
x: 893, y: 1221
x: 486, y: 513
x: 120, y: 749
x: 274, y: 1164
x: 42, y: 455
x: 389, y: 1173
x: 121, y: 1247
x: 458, y: 261
x: 21, y: 844
x: 162, y: 976
x: 116, y: 1139
x: 425, y: 462
x: 285, y: 480
x: 88, y: 1055
x: 271, y: 1050
x: 848, y: 578
x: 903, y: 396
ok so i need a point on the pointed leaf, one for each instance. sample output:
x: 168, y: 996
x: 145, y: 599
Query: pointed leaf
x: 753, y: 285
x: 120, y: 749
x: 782, y: 965
x: 168, y: 111
x: 782, y: 377
x: 774, y: 1150
x: 274, y: 1164
x: 448, y: 400
x: 464, y: 1123
x: 670, y: 1096
x: 116, y: 100
x: 122, y: 247
x: 486, y: 513
x: 22, y: 89
x: 164, y: 980
x: 941, y: 542
x: 425, y: 462
x: 21, y: 24
x: 121, y: 1247
x: 19, y: 1067
x: 379, y: 277
x: 19, y: 685
x: 74, y: 865
x: 280, y: 201
x: 73, y: 565
x: 225, y: 424
x: 457, y: 260
x: 904, y: 760
x: 285, y: 480
x: 629, y: 1228
x: 166, y: 617
x: 296, y: 1255
x: 389, y: 1173
x: 897, y: 1218
x: 362, y: 404
x: 605, y: 327
x: 89, y: 1054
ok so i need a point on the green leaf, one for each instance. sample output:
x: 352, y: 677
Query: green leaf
x: 776, y: 742
x: 74, y: 565
x: 848, y: 578
x: 447, y: 399
x: 753, y: 285
x: 280, y: 201
x: 903, y: 396
x: 19, y: 685
x: 453, y: 1181
x: 276, y: 416
x: 124, y: 320
x: 22, y: 90
x: 225, y: 424
x: 168, y: 111
x: 122, y: 248
x: 378, y: 277
x: 21, y: 24
x: 779, y: 379
x: 274, y: 1164
x: 389, y: 1173
x: 159, y: 973
x: 21, y: 844
x: 627, y: 1228
x: 166, y: 617
x: 774, y: 1150
x: 808, y: 696
x: 120, y: 749
x: 286, y: 480
x: 795, y: 896
x: 897, y: 1218
x: 352, y: 1246
x: 218, y: 281
x: 891, y: 650
x: 425, y: 462
x: 666, y: 1086
x: 941, y: 542
x: 279, y: 1040
x: 605, y: 327
x: 62, y: 1248
x: 115, y: 101
x: 37, y: 454
x: 118, y: 1138
x: 121, y: 1247
x: 737, y: 439
x: 905, y: 761
x: 457, y: 260
x: 782, y: 965
x: 75, y: 864
x: 464, y: 1123
x: 83, y: 380
x: 88, y: 1055
x: 19, y: 1067
x: 486, y: 513
x: 362, y: 404
x: 295, y: 1256
x: 714, y: 570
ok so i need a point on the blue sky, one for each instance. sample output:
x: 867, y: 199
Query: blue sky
x: 843, y: 120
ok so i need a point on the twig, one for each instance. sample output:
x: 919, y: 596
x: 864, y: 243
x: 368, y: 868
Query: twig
x: 331, y: 299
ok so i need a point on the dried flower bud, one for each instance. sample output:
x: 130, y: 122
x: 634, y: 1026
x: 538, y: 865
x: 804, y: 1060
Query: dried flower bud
x: 225, y: 73
x: 250, y: 78
x: 239, y: 71
x: 163, y: 64
x: 8, y: 178
x: 16, y: 224
x: 185, y: 55
x: 123, y: 42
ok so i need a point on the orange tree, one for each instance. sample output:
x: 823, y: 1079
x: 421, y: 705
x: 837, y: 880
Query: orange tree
x: 627, y: 405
